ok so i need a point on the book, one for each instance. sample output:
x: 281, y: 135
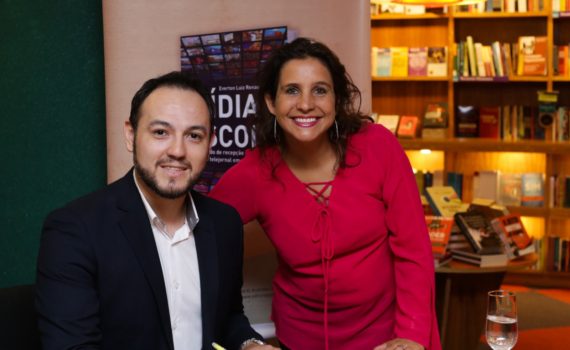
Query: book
x: 436, y: 115
x: 439, y: 229
x: 417, y: 61
x: 434, y: 133
x: 479, y: 232
x: 532, y: 55
x: 444, y: 201
x: 489, y: 124
x: 383, y: 62
x: 488, y: 260
x: 486, y: 184
x: 442, y: 260
x: 513, y: 234
x: 509, y: 189
x: 408, y: 126
x: 466, y: 121
x: 437, y: 61
x: 399, y: 61
x: 455, y: 180
x: 532, y: 190
x: 389, y: 121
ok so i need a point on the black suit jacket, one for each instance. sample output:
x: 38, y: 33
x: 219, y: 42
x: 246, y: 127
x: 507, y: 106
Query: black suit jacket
x: 100, y: 282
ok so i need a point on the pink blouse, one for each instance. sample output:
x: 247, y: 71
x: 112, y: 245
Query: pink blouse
x: 356, y: 270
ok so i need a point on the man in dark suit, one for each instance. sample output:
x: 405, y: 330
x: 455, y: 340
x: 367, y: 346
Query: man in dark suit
x: 146, y: 263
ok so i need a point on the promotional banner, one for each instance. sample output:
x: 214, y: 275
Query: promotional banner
x: 227, y: 64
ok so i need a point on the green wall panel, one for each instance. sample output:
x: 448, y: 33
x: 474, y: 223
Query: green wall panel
x: 52, y: 119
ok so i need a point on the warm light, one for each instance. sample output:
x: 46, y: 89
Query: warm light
x: 425, y: 151
x: 430, y: 3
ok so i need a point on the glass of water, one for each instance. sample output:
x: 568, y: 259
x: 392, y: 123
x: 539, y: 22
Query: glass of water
x: 501, y: 329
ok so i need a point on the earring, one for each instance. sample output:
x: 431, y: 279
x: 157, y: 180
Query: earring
x: 336, y: 128
x: 275, y: 129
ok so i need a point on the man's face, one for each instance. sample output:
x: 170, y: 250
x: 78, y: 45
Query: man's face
x: 172, y: 141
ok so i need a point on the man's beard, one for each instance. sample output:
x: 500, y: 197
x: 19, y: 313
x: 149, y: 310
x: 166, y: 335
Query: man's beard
x: 150, y: 180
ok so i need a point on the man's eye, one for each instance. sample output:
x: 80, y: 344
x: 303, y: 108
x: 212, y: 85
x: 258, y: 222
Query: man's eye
x: 196, y: 136
x: 159, y: 132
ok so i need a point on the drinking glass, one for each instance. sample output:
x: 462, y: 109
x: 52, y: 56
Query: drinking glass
x: 501, y: 329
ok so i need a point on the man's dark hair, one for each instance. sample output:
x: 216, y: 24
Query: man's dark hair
x: 180, y: 80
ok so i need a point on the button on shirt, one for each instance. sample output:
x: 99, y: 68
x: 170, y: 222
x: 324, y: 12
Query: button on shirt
x: 179, y: 262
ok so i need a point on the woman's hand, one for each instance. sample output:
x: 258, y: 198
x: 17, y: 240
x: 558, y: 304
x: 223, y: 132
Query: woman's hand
x: 400, y: 344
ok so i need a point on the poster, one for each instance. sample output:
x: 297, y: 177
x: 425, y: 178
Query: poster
x: 227, y: 63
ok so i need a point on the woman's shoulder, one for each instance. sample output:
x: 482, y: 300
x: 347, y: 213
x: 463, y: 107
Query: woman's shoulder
x: 372, y: 134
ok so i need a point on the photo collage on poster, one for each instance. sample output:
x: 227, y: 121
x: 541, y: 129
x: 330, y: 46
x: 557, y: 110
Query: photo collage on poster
x: 229, y: 55
x: 227, y: 63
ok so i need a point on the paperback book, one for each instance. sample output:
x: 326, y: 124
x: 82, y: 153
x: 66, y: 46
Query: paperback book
x: 480, y: 233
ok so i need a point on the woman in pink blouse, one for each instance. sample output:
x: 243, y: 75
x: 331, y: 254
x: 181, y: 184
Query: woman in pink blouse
x: 337, y: 198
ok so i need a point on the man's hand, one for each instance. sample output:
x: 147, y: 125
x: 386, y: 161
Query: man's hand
x: 400, y: 344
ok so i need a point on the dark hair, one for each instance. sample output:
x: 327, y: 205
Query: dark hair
x: 348, y: 116
x: 180, y: 80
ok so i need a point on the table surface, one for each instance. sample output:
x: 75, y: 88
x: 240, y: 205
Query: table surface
x: 455, y: 266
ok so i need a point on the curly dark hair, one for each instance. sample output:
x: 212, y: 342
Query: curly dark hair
x: 348, y: 116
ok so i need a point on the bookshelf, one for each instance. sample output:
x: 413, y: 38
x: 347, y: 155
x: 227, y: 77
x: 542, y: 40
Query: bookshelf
x: 410, y: 95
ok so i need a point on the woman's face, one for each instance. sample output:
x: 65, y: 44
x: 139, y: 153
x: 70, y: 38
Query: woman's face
x: 304, y: 104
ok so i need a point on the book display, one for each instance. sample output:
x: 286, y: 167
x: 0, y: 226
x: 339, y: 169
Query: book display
x: 495, y: 123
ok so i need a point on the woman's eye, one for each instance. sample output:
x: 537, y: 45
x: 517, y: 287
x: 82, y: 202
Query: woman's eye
x: 321, y: 91
x: 291, y: 90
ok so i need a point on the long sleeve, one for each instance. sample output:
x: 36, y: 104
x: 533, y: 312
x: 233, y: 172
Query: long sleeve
x: 238, y: 187
x: 66, y: 296
x: 411, y: 248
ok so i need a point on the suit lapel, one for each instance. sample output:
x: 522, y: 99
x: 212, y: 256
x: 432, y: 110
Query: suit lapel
x: 136, y: 228
x: 206, y: 249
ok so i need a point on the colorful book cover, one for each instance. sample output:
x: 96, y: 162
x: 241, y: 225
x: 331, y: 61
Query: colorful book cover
x: 513, y: 234
x: 510, y: 189
x: 384, y: 62
x: 439, y: 229
x: 532, y: 55
x: 408, y: 126
x: 444, y: 201
x: 467, y: 121
x: 489, y: 122
x: 532, y: 190
x: 437, y: 61
x: 436, y: 115
x: 399, y: 61
x: 417, y: 61
x: 479, y: 232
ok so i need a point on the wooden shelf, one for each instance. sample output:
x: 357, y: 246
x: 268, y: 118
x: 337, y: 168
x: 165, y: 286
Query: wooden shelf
x: 561, y: 79
x: 410, y: 95
x: 487, y: 145
x: 511, y: 79
x: 465, y: 15
x: 403, y: 16
x: 560, y: 213
x: 414, y: 78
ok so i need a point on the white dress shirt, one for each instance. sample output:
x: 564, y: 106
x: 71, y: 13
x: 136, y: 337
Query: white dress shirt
x: 179, y: 263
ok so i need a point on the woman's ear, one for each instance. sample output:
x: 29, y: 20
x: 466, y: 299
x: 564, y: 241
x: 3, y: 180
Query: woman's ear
x: 269, y: 103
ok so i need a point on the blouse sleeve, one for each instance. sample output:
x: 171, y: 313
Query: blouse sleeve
x: 410, y: 244
x: 237, y: 187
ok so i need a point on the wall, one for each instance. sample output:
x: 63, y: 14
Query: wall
x: 52, y: 127
x: 142, y: 41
